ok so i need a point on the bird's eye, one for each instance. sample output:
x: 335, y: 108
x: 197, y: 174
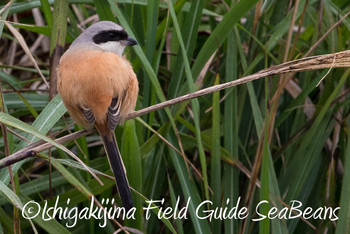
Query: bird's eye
x: 112, y: 34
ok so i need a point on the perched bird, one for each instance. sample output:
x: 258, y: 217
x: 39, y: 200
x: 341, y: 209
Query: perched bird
x: 99, y: 88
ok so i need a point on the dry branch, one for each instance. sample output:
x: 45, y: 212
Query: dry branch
x: 37, y: 147
x: 340, y: 59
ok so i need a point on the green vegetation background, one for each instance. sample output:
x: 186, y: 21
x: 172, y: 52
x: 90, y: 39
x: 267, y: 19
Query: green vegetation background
x: 279, y: 138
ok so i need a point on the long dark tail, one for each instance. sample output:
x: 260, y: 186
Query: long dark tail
x: 118, y: 168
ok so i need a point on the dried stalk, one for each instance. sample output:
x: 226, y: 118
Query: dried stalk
x: 37, y: 147
x: 340, y: 59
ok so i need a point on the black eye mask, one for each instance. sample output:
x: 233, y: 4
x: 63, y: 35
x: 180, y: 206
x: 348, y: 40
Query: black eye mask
x: 110, y: 35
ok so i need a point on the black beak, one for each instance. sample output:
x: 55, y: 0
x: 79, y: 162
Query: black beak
x: 129, y: 42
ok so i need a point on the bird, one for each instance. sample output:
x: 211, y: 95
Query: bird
x: 99, y: 88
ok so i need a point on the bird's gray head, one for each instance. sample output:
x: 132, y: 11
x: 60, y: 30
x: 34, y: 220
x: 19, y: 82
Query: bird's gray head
x: 107, y: 36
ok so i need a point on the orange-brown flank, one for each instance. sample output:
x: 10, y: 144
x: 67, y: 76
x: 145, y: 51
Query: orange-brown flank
x: 90, y: 79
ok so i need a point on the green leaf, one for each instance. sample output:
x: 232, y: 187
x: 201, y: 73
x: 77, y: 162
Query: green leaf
x: 264, y: 225
x: 45, y: 121
x: 3, y: 15
x: 189, y: 190
x: 59, y: 27
x: 215, y: 162
x: 130, y: 152
x: 344, y: 213
x: 189, y: 34
x: 45, y: 6
x: 29, y: 208
x: 195, y: 103
x: 219, y: 34
x: 103, y: 10
x: 13, y: 122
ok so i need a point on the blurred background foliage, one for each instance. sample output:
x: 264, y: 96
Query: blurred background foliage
x: 278, y: 139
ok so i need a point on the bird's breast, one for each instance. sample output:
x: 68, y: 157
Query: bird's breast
x: 91, y: 78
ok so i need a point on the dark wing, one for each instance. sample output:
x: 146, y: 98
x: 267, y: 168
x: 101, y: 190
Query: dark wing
x: 112, y: 115
x: 89, y: 116
x: 114, y: 112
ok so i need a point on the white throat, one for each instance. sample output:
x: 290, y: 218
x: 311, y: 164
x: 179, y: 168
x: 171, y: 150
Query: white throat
x: 112, y: 46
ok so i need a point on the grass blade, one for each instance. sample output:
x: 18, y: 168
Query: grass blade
x: 344, y: 213
x: 215, y: 162
x: 219, y: 35
x: 130, y: 152
x: 264, y: 225
x: 195, y: 103
x: 13, y: 122
x: 45, y: 121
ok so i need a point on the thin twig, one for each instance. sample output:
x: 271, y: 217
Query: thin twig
x: 340, y: 59
x: 37, y: 147
x: 326, y: 34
